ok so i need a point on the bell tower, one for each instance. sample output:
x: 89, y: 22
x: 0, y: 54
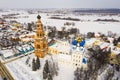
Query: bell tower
x: 40, y: 43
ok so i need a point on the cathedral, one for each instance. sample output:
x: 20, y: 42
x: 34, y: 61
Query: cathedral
x: 40, y: 43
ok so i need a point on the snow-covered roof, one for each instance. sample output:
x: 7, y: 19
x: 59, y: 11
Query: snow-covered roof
x: 61, y: 47
x: 27, y: 39
x: 104, y: 45
x: 90, y: 41
x: 64, y: 56
x: 1, y: 34
x: 115, y: 52
x: 30, y: 34
x: 110, y: 39
x: 6, y: 53
x: 114, y: 49
x: 24, y: 47
x: 97, y: 34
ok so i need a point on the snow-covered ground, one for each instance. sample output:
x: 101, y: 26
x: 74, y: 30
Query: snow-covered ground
x: 65, y: 73
x: 0, y: 78
x: 21, y: 71
x: 84, y: 25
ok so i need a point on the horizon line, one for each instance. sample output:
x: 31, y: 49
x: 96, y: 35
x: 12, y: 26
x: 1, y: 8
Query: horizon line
x: 60, y: 8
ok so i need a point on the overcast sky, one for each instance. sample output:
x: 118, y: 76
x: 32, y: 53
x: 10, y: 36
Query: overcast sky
x: 59, y: 3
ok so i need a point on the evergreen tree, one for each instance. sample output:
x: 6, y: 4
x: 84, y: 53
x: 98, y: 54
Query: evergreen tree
x: 55, y: 69
x: 44, y: 75
x: 46, y: 70
x: 33, y: 65
x: 50, y: 77
x: 98, y: 60
x: 29, y: 27
x: 119, y: 39
x: 115, y: 42
x: 37, y: 63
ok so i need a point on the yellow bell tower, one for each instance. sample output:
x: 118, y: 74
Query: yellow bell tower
x: 40, y: 43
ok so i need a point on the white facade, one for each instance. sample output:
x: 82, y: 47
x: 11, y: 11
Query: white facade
x: 60, y: 47
x: 68, y: 54
x: 64, y: 59
x: 77, y: 59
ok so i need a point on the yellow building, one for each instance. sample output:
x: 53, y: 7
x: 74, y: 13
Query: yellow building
x: 118, y: 45
x: 40, y: 43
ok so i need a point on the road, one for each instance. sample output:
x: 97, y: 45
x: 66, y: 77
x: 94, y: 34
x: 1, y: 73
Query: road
x: 4, y: 72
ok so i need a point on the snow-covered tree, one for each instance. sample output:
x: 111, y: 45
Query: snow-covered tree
x: 50, y: 69
x: 27, y: 61
x: 50, y: 77
x: 98, y: 59
x: 29, y: 27
x: 46, y: 70
x: 90, y: 34
x: 115, y: 42
x: 44, y: 75
x: 37, y: 63
x: 33, y: 65
x: 110, y: 33
x: 53, y: 69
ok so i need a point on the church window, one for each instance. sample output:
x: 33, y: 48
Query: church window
x: 37, y: 34
x: 40, y: 34
x: 38, y: 46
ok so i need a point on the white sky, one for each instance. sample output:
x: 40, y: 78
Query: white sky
x: 59, y: 3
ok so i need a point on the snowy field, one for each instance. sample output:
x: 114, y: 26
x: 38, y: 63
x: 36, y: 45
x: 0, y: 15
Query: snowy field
x: 84, y: 25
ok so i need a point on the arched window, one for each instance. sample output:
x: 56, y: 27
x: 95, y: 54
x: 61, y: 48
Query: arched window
x: 37, y: 34
x: 40, y: 34
x: 37, y: 25
x: 38, y: 46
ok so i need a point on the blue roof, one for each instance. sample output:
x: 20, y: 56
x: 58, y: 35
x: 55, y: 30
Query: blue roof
x: 74, y: 42
x: 84, y: 61
x: 82, y: 43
